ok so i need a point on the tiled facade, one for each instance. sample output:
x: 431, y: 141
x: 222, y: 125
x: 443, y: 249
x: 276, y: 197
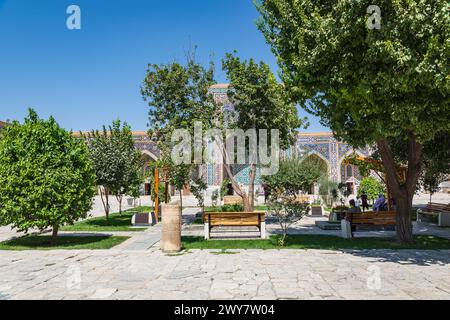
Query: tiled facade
x: 322, y: 145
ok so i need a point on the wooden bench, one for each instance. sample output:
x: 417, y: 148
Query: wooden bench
x: 439, y: 210
x: 378, y: 219
x: 235, y: 219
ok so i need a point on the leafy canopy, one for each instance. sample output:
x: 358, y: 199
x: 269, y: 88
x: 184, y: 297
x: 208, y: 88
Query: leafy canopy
x: 372, y: 187
x: 296, y: 175
x: 365, y: 84
x: 117, y: 163
x: 46, y: 175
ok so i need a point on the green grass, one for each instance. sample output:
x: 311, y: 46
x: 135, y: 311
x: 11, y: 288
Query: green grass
x: 64, y: 243
x: 116, y: 222
x: 316, y: 242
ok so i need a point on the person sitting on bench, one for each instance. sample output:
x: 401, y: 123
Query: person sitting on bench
x: 380, y: 203
x: 353, y: 208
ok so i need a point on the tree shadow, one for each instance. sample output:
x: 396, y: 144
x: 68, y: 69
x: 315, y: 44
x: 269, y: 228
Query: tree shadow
x: 405, y: 256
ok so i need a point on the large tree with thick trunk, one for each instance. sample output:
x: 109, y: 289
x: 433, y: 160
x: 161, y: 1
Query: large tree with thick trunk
x: 369, y: 83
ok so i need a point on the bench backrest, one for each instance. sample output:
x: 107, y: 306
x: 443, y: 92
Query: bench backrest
x: 372, y: 218
x: 234, y: 218
x: 432, y: 206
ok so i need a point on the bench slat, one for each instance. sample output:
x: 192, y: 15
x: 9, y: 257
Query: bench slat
x: 384, y: 218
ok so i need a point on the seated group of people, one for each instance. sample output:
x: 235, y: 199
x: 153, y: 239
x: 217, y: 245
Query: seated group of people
x: 379, y: 205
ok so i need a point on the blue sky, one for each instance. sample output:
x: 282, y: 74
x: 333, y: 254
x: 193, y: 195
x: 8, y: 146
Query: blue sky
x: 89, y: 77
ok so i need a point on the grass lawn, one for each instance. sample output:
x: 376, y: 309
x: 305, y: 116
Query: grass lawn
x: 64, y: 243
x: 116, y: 222
x: 316, y: 242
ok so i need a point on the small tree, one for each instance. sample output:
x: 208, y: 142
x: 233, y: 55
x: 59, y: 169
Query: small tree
x: 260, y: 102
x: 179, y: 177
x: 287, y: 210
x: 198, y: 187
x: 372, y: 187
x: 117, y: 163
x: 329, y: 190
x: 431, y: 180
x: 46, y: 176
x: 178, y: 96
x: 295, y: 175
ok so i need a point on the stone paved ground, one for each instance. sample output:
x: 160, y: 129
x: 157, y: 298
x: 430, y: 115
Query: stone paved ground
x: 246, y: 274
x: 137, y: 269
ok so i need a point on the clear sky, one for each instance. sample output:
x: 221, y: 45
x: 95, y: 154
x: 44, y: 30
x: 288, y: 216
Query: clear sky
x: 89, y: 77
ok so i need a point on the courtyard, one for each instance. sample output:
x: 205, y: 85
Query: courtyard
x: 239, y: 274
x: 293, y: 150
x: 137, y: 269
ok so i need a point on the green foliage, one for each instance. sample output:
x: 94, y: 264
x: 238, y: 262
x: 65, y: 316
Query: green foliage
x: 431, y: 180
x: 117, y: 163
x: 46, y: 175
x: 287, y: 210
x: 329, y: 190
x: 316, y: 242
x: 259, y: 100
x: 368, y: 85
x: 178, y: 96
x: 380, y: 83
x: 224, y: 188
x: 372, y: 187
x: 295, y: 175
x: 237, y: 207
x: 65, y: 243
x: 259, y: 103
x: 198, y: 187
x: 215, y: 198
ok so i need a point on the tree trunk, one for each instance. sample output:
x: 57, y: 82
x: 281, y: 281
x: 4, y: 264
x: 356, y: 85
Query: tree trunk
x: 181, y: 202
x: 403, y: 188
x: 119, y: 199
x: 251, y: 189
x: 104, y: 196
x: 54, y: 240
x: 107, y: 204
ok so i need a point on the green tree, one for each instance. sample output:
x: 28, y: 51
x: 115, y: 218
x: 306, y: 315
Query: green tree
x: 260, y: 102
x: 295, y: 175
x: 372, y: 187
x: 198, y: 187
x: 431, y: 180
x: 368, y: 85
x: 46, y: 176
x: 179, y: 178
x: 329, y: 190
x: 287, y: 210
x: 117, y: 163
x: 178, y: 96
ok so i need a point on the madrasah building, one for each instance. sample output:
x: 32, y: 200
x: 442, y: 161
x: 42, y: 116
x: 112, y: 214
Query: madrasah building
x: 322, y: 146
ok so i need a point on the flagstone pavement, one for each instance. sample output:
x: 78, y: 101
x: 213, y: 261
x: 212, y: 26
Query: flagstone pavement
x: 124, y: 273
x: 137, y: 269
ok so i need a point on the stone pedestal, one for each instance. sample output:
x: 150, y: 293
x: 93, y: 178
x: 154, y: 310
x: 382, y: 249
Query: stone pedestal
x: 171, y: 227
x: 346, y: 228
x: 444, y: 219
